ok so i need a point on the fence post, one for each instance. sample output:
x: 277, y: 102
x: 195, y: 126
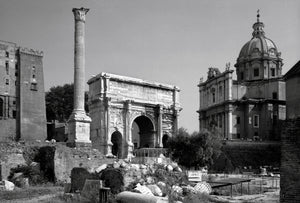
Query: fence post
x: 103, y: 194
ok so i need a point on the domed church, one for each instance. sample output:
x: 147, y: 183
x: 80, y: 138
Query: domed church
x: 253, y: 106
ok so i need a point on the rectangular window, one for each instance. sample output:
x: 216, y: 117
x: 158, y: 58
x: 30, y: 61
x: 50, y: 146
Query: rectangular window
x: 242, y: 75
x: 7, y: 81
x: 33, y: 86
x: 238, y: 120
x: 275, y: 118
x: 256, y: 121
x: 220, y: 91
x: 7, y: 54
x: 273, y: 72
x: 14, y: 113
x: 256, y: 137
x: 7, y: 67
x: 256, y: 72
x: 274, y: 95
x: 214, y: 97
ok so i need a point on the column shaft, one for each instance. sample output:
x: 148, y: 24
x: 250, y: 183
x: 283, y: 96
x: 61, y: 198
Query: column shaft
x: 79, y: 64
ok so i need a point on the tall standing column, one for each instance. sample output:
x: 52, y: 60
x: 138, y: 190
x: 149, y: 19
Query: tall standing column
x: 79, y: 122
x: 160, y: 126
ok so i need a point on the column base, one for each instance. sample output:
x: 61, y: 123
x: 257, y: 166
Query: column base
x: 79, y: 130
x: 130, y: 146
x: 109, y: 149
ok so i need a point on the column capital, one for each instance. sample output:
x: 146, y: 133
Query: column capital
x: 79, y: 13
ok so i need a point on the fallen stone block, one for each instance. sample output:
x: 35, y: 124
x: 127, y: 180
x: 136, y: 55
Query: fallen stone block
x: 114, y: 179
x: 155, y: 190
x: 91, y: 189
x: 101, y: 168
x: 143, y: 189
x: 9, y: 186
x: 67, y: 187
x: 78, y: 177
x: 132, y: 197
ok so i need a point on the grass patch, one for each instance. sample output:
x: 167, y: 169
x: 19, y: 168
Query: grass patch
x: 28, y: 193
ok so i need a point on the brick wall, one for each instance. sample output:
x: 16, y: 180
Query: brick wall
x: 32, y: 98
x: 290, y: 162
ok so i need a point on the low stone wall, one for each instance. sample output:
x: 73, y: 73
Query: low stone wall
x: 237, y: 155
x: 10, y: 157
x: 56, y: 160
x: 290, y: 162
x: 66, y: 159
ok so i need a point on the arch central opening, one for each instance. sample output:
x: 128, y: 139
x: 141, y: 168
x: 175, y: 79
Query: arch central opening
x: 143, y: 133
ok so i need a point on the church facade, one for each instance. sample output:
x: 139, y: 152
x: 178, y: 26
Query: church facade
x: 252, y: 106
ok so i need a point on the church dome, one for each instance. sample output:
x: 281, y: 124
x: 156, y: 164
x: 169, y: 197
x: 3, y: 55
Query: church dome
x: 259, y: 58
x: 259, y: 46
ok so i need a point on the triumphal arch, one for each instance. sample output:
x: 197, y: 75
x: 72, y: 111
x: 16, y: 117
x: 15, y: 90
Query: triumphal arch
x: 129, y: 113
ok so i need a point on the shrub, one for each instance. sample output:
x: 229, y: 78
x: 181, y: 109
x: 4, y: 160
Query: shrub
x: 196, y: 150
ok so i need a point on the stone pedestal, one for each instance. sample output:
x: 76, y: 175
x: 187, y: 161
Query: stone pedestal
x: 79, y: 130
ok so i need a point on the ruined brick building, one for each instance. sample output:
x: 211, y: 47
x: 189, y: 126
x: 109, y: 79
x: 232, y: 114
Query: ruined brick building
x: 290, y: 139
x: 22, y: 96
x: 253, y: 106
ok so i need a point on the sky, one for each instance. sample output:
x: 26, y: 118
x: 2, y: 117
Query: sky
x: 168, y: 41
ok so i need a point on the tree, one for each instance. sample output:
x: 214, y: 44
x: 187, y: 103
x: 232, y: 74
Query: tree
x: 59, y: 102
x: 196, y: 150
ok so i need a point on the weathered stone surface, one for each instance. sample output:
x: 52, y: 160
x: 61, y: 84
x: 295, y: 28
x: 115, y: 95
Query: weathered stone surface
x: 132, y: 197
x: 78, y: 178
x: 155, y: 190
x: 91, y: 190
x: 149, y: 180
x: 290, y: 162
x: 9, y: 186
x: 67, y: 187
x: 66, y: 159
x: 114, y: 179
x: 143, y: 189
x: 101, y: 168
x: 162, y: 186
x: 169, y: 168
x: 10, y: 157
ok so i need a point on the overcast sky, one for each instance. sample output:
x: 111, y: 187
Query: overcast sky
x: 168, y: 41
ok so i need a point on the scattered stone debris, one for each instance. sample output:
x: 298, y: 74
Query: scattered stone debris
x: 9, y: 186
